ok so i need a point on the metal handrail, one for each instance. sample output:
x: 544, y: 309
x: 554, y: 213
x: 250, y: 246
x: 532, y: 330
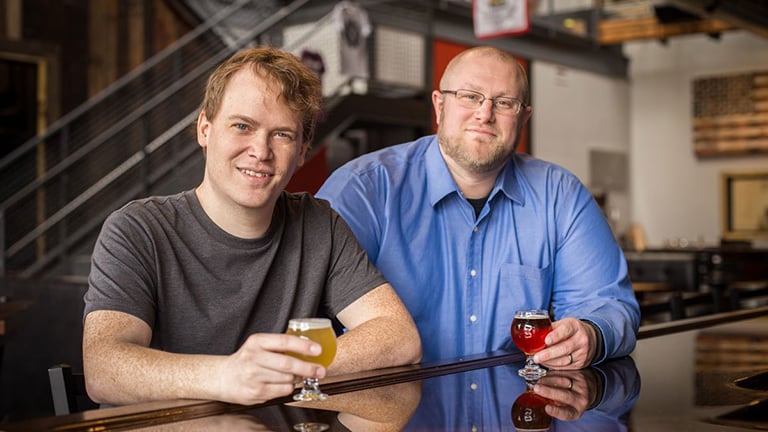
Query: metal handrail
x: 102, y: 138
x: 122, y: 82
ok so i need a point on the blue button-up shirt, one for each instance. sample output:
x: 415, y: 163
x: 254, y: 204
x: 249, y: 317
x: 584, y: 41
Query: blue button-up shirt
x: 540, y: 241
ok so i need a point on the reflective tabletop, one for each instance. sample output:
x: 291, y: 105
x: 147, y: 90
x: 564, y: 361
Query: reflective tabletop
x: 695, y: 379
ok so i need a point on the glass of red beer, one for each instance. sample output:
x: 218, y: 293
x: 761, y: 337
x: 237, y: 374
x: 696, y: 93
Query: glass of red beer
x: 529, y: 328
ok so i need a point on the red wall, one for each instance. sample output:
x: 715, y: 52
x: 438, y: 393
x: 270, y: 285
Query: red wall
x: 312, y: 174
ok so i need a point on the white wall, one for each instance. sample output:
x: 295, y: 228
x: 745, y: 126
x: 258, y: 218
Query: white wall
x: 575, y: 112
x: 673, y: 193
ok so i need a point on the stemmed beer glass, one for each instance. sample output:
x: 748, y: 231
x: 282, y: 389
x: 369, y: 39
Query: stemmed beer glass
x: 320, y: 331
x: 529, y: 328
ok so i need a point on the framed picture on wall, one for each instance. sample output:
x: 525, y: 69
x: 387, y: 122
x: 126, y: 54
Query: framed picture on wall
x: 730, y: 114
x: 744, y: 204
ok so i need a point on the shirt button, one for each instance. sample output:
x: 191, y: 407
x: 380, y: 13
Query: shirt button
x: 474, y: 428
x: 473, y: 317
x: 475, y: 229
x: 473, y: 386
x: 473, y: 272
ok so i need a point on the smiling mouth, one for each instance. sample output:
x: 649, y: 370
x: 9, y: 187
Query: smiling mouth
x: 482, y: 131
x: 252, y: 173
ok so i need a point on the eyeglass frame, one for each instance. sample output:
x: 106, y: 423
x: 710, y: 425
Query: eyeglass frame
x: 483, y: 98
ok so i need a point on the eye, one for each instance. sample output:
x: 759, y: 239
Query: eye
x: 240, y: 126
x: 471, y: 97
x: 284, y: 135
x: 505, y: 103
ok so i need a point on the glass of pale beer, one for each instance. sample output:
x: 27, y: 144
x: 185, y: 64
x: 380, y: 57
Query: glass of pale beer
x: 529, y: 328
x: 320, y: 331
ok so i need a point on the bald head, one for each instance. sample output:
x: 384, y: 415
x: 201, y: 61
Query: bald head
x: 470, y: 55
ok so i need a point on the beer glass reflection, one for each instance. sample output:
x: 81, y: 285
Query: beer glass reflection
x: 528, y: 413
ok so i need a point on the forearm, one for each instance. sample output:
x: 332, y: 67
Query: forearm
x: 378, y: 343
x: 125, y: 373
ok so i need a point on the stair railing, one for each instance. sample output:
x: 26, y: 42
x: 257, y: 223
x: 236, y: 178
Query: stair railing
x: 137, y: 161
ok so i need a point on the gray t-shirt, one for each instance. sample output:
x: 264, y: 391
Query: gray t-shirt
x: 202, y: 290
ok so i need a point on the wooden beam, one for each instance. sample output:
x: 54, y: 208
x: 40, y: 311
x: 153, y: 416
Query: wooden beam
x: 750, y: 15
x: 617, y: 31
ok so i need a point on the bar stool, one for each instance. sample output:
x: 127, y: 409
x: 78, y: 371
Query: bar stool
x: 68, y: 390
x: 657, y: 299
x: 747, y: 294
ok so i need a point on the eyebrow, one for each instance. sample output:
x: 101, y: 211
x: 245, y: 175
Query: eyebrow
x: 473, y: 87
x: 251, y: 121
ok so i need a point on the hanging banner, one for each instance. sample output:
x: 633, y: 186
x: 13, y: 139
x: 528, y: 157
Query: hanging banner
x: 354, y: 28
x: 496, y: 18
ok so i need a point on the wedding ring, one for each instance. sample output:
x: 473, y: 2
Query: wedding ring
x: 570, y: 358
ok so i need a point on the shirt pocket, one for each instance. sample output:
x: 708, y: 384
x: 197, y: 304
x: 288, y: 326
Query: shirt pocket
x: 520, y: 287
x: 529, y: 286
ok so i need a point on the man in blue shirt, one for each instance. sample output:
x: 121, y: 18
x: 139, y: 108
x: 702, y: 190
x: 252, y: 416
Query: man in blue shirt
x: 468, y: 231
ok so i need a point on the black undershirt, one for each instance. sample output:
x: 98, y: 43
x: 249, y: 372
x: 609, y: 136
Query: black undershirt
x: 477, y: 204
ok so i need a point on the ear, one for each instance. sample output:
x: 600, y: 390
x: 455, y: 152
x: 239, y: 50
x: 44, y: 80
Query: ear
x: 203, y: 130
x: 437, y: 104
x: 526, y: 115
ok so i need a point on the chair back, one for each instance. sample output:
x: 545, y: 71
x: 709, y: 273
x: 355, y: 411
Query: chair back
x: 68, y: 390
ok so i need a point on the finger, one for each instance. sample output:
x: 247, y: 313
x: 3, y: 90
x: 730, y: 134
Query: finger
x: 275, y: 353
x: 556, y: 381
x: 561, y: 330
x: 287, y: 364
x: 555, y: 356
x: 283, y: 343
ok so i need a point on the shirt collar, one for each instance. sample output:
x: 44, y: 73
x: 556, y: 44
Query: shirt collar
x: 439, y: 180
x: 441, y: 184
x: 510, y: 181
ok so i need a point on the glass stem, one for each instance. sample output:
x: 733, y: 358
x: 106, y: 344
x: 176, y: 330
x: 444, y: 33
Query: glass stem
x: 529, y: 363
x: 311, y: 385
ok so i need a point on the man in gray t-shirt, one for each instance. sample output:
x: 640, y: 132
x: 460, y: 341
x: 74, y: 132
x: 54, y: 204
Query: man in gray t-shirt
x: 189, y: 294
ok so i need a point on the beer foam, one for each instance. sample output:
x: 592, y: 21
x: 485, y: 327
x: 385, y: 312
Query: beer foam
x: 532, y: 314
x: 309, y: 323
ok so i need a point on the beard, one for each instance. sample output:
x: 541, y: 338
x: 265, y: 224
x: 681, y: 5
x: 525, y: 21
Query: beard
x: 479, y: 157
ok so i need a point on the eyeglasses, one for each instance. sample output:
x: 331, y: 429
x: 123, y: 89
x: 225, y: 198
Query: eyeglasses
x: 474, y: 100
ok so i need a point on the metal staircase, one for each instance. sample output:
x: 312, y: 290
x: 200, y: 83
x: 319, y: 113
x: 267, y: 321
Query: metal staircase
x: 136, y: 138
x: 131, y: 140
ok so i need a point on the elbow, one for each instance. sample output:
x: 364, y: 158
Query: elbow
x: 404, y: 349
x: 415, y: 352
x: 96, y: 392
x: 97, y: 379
x: 417, y: 355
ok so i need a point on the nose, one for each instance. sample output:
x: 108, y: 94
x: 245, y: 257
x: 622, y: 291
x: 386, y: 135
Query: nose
x: 485, y: 111
x: 260, y: 147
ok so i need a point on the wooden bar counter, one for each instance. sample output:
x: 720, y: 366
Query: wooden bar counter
x: 688, y: 375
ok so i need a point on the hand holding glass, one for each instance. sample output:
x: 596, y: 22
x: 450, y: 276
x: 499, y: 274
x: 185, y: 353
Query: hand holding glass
x: 320, y: 331
x: 529, y: 329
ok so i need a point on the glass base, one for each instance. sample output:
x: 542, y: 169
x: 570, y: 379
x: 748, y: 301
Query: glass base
x: 532, y: 374
x: 310, y: 396
x: 310, y: 391
x: 310, y: 427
